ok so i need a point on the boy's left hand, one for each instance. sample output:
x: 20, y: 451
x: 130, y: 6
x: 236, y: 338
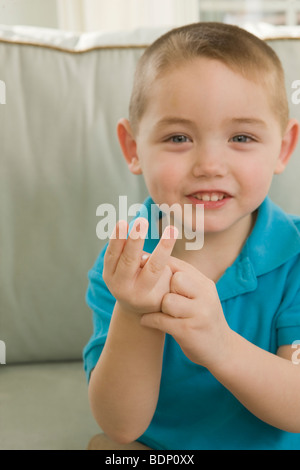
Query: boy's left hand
x: 193, y: 315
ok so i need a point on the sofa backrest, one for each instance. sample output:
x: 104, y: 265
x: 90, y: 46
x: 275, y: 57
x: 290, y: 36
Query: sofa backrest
x: 60, y: 160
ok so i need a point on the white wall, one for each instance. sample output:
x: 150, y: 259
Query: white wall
x: 132, y: 14
x: 29, y: 12
x: 104, y: 15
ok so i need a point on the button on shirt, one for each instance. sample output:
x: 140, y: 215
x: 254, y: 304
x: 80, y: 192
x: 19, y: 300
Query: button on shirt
x: 260, y: 296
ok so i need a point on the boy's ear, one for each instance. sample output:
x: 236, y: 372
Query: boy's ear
x: 128, y: 146
x: 289, y: 142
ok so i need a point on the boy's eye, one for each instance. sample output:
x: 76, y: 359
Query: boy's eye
x: 242, y: 139
x: 179, y: 139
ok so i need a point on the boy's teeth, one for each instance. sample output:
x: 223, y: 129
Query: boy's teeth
x: 214, y: 197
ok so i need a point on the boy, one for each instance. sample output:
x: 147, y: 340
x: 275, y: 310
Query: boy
x: 193, y: 349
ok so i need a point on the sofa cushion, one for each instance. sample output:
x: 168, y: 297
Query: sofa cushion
x: 45, y: 406
x: 60, y: 160
x: 285, y: 189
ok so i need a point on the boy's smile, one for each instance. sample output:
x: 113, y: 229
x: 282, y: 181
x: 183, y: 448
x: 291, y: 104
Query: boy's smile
x: 209, y: 136
x: 212, y: 199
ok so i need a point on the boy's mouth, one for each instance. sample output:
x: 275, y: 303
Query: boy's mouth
x: 209, y: 196
x: 211, y: 200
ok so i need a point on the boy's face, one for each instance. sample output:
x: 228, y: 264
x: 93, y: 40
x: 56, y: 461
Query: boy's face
x: 209, y: 136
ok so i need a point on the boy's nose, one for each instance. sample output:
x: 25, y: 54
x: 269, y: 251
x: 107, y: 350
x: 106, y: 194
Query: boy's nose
x: 209, y: 162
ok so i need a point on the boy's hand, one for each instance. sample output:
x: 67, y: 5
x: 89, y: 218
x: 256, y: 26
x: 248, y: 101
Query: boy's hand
x: 193, y: 315
x: 138, y: 287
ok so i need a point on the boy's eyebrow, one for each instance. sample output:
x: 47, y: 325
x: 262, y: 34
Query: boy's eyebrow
x: 167, y: 121
x: 170, y: 120
x: 248, y: 120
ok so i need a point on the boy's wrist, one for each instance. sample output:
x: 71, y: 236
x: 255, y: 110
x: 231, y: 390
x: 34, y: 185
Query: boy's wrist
x: 225, y: 353
x: 134, y: 317
x: 231, y: 362
x: 123, y: 308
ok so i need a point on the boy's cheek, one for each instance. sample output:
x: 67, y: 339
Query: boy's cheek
x: 160, y: 179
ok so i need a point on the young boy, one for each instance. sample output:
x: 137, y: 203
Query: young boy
x: 195, y: 349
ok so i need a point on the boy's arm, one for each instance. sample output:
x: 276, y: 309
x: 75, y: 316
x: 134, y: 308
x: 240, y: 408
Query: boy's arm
x: 124, y: 385
x: 266, y: 384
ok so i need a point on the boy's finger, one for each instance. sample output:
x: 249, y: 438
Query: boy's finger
x: 160, y: 256
x: 130, y: 258
x: 115, y: 247
x: 184, y: 285
x: 160, y: 321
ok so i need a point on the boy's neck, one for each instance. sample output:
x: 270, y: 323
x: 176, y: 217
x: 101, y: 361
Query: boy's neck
x: 219, y: 250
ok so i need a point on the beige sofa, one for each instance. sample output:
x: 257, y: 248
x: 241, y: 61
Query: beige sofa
x: 60, y: 160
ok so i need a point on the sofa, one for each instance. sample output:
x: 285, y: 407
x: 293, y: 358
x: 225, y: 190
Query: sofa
x: 62, y: 94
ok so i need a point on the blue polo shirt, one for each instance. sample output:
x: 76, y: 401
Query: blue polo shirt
x: 260, y: 296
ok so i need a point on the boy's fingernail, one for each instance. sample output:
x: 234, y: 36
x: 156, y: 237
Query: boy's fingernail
x: 144, y: 259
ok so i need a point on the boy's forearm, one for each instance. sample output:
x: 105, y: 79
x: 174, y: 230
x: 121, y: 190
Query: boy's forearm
x: 267, y: 385
x: 124, y: 385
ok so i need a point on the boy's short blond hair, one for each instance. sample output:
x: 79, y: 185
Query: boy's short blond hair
x: 240, y: 50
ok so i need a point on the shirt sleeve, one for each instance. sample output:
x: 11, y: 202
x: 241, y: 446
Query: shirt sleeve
x: 288, y: 319
x: 101, y: 302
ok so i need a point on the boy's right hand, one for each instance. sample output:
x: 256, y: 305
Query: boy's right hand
x: 138, y: 287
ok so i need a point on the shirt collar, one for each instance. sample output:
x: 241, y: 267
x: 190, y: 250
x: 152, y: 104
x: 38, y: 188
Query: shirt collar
x: 274, y: 240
